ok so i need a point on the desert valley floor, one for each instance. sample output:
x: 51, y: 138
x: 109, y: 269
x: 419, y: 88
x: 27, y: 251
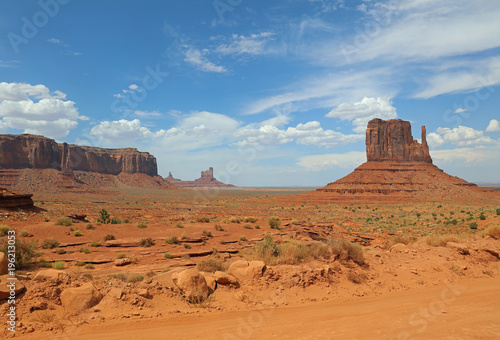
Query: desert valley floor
x: 413, y: 270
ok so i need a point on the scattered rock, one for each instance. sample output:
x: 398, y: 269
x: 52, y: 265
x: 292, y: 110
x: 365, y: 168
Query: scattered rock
x: 116, y: 292
x: 143, y: 292
x: 192, y: 285
x: 5, y: 289
x: 78, y: 299
x: 50, y: 274
x: 123, y: 262
x: 4, y: 269
x: 225, y: 279
x: 244, y: 270
x: 398, y: 248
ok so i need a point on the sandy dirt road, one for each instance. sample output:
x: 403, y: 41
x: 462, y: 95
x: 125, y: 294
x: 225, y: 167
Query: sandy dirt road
x: 466, y: 310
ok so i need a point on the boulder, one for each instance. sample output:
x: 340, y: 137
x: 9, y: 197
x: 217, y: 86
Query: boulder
x: 165, y: 279
x: 81, y: 298
x: 5, y: 290
x: 210, y: 279
x: 4, y: 264
x: 123, y: 262
x: 50, y: 274
x: 192, y: 285
x: 225, y: 279
x: 398, y: 248
x: 244, y: 270
x: 116, y: 293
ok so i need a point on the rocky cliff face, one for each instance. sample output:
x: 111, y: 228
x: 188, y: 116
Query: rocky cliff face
x: 37, y: 152
x: 14, y: 200
x: 391, y: 140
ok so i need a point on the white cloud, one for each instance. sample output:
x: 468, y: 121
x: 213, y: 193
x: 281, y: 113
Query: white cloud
x: 460, y: 110
x: 34, y: 109
x: 461, y: 136
x: 310, y: 133
x: 133, y: 87
x: 198, y: 130
x: 140, y: 113
x: 347, y: 160
x: 253, y: 44
x: 362, y: 112
x: 493, y: 126
x: 468, y: 155
x: 196, y: 58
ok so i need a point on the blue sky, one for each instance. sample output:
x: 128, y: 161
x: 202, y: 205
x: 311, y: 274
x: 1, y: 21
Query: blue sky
x: 268, y: 93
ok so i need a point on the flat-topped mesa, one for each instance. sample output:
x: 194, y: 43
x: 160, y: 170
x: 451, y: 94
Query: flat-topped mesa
x: 391, y: 140
x: 37, y: 152
x: 207, y: 179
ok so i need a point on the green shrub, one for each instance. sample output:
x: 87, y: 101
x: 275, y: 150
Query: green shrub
x: 4, y: 229
x: 24, y: 233
x: 95, y: 244
x: 60, y: 251
x: 257, y: 226
x: 90, y: 266
x: 89, y: 226
x: 59, y: 265
x: 498, y: 211
x: 187, y: 246
x: 404, y: 239
x: 234, y: 220
x: 274, y: 222
x: 50, y: 243
x: 482, y: 217
x: 121, y: 256
x: 473, y: 225
x: 251, y: 219
x: 218, y: 227
x: 77, y: 233
x: 242, y: 238
x: 179, y: 225
x: 80, y: 264
x: 146, y: 242
x: 104, y: 218
x: 85, y: 250
x: 115, y: 220
x: 25, y: 251
x: 207, y: 233
x: 211, y: 266
x: 345, y: 250
x: 247, y: 226
x: 142, y: 226
x: 172, y: 240
x: 109, y: 237
x: 167, y: 255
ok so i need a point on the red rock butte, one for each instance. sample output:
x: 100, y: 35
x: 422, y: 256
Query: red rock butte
x: 399, y: 168
x: 207, y: 180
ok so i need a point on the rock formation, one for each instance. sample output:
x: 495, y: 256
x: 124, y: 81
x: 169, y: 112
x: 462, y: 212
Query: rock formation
x: 398, y: 169
x: 207, y: 179
x: 13, y: 200
x: 32, y: 163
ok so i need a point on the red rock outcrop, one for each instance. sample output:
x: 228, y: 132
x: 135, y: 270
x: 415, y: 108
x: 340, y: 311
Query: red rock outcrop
x: 391, y: 140
x: 31, y: 163
x: 398, y: 169
x: 207, y: 179
x: 13, y: 200
x: 38, y: 152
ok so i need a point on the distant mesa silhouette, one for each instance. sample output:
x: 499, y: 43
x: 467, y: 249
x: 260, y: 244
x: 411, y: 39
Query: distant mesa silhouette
x: 207, y: 180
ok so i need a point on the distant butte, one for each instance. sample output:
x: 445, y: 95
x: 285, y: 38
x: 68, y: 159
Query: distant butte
x: 14, y: 200
x: 207, y: 180
x: 399, y: 168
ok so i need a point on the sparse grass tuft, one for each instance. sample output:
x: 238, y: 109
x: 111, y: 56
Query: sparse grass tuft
x: 142, y: 226
x: 95, y: 244
x: 251, y: 219
x: 179, y: 225
x: 440, y: 240
x: 404, y: 239
x: 49, y: 243
x: 59, y: 265
x: 234, y: 220
x: 207, y: 233
x: 203, y: 219
x: 274, y: 222
x: 85, y: 250
x: 109, y: 237
x: 167, y: 255
x: 218, y: 227
x: 121, y: 256
x: 473, y: 225
x: 24, y: 233
x: 172, y: 240
x: 77, y: 233
x: 65, y: 221
x: 211, y: 266
x: 89, y: 226
x: 146, y: 242
x: 4, y: 229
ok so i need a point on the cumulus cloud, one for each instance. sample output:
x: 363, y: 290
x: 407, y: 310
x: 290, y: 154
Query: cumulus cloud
x: 360, y: 113
x: 197, y: 130
x: 196, y: 58
x: 347, y: 160
x: 34, y: 109
x: 493, y: 126
x: 461, y: 136
x: 310, y: 133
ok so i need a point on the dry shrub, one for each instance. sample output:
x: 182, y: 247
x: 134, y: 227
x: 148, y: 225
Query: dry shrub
x: 440, y: 240
x: 292, y: 252
x: 404, y: 239
x: 345, y: 251
x: 211, y: 266
x: 494, y: 231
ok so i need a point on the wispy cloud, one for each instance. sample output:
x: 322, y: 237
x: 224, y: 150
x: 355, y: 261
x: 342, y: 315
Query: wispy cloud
x: 196, y: 58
